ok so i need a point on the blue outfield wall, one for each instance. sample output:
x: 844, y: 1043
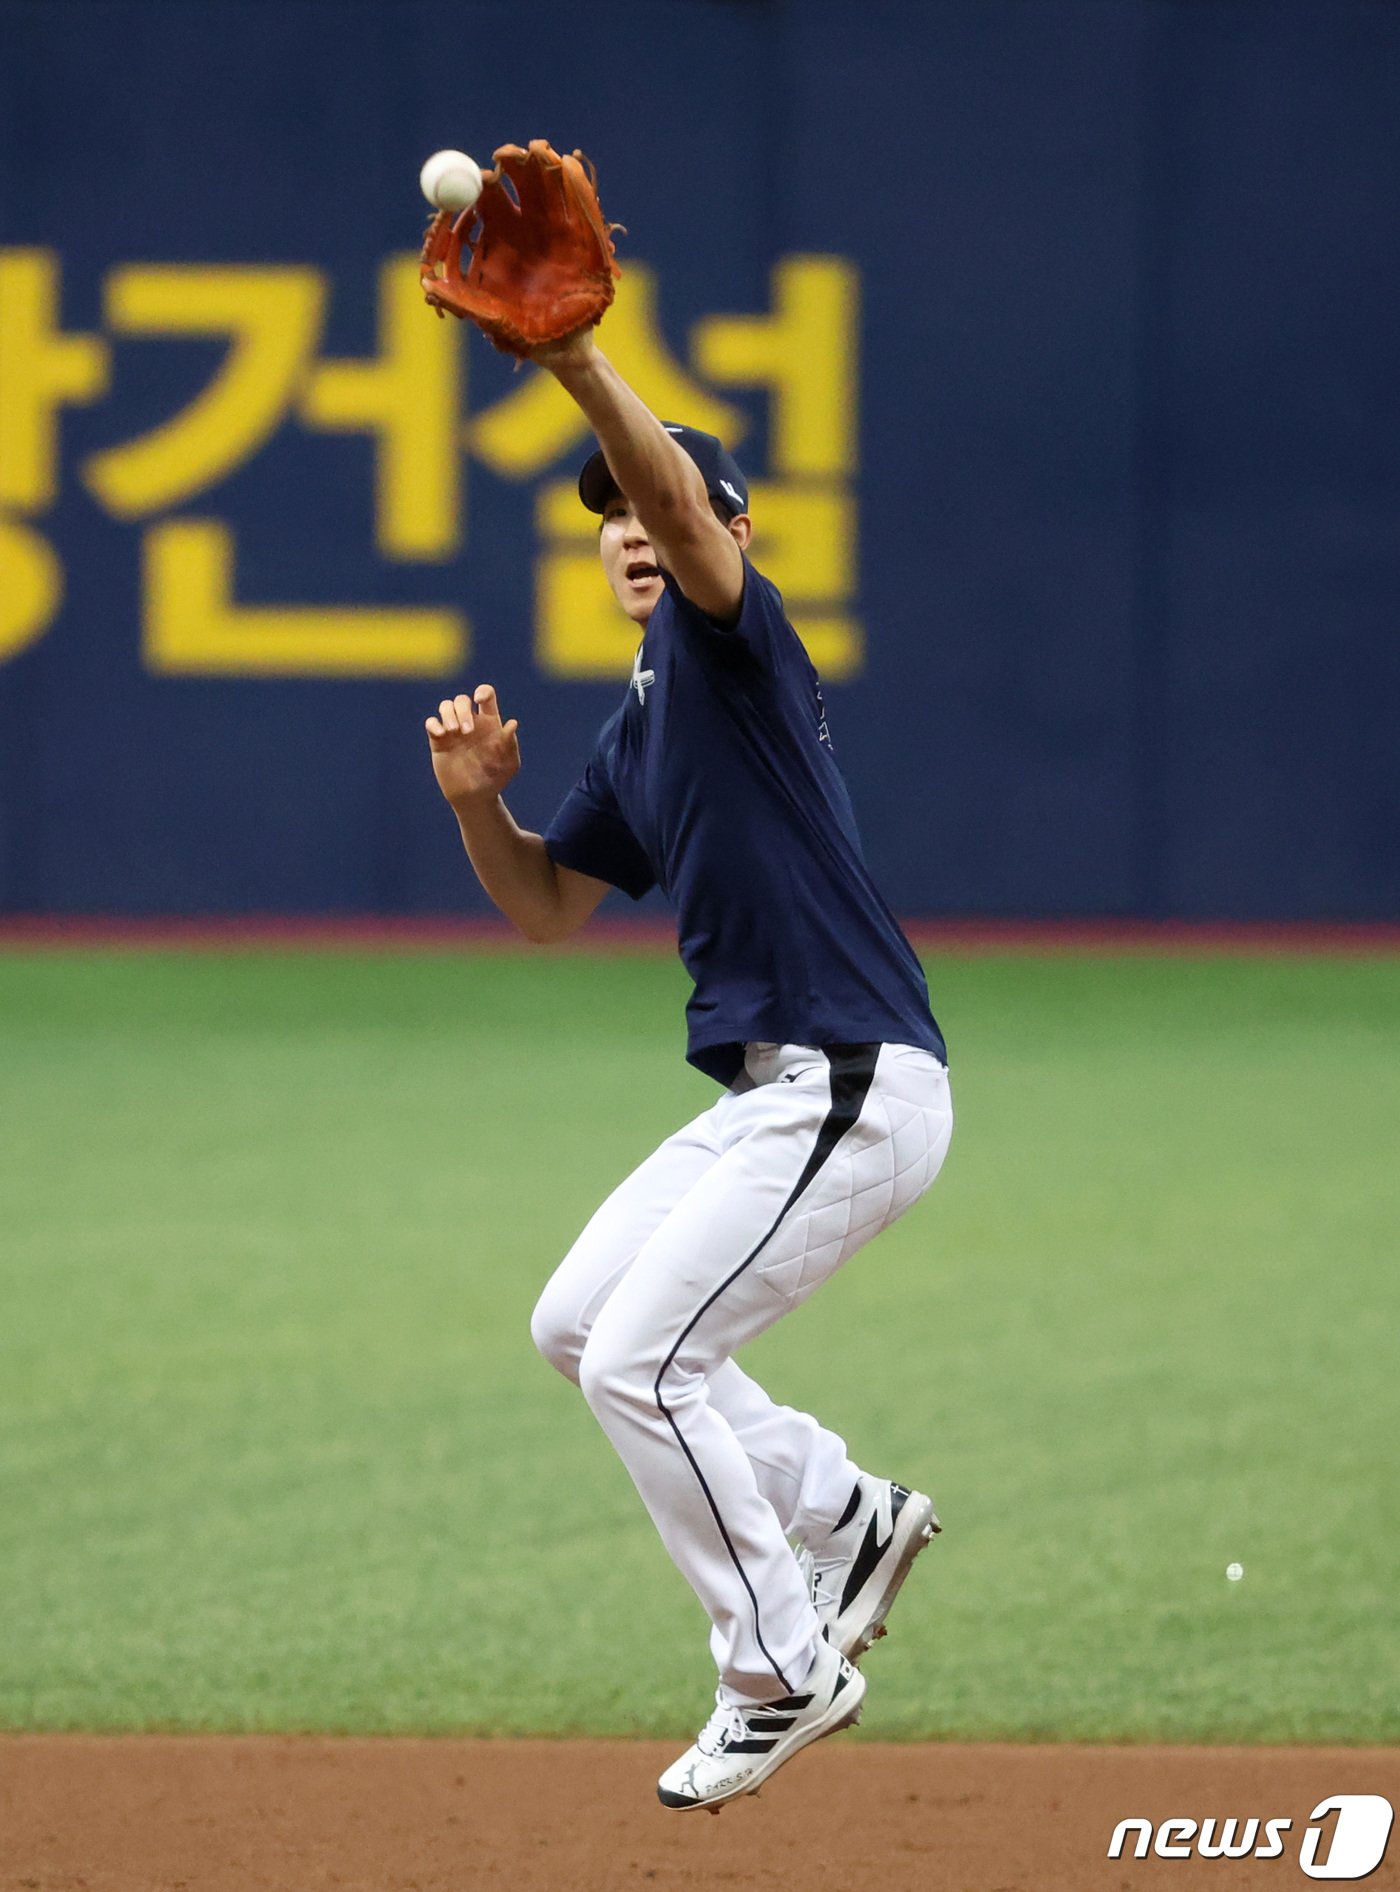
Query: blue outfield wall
x: 1059, y: 337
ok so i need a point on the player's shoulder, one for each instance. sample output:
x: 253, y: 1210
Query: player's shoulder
x: 761, y: 625
x: 764, y: 587
x: 762, y: 595
x: 780, y: 637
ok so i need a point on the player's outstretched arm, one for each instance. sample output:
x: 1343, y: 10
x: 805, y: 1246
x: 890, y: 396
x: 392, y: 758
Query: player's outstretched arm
x: 475, y: 756
x: 659, y: 478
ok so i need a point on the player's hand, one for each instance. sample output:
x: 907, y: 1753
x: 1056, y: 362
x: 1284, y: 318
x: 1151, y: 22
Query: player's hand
x: 474, y: 753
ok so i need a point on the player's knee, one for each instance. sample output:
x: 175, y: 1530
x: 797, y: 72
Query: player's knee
x: 554, y: 1330
x: 613, y: 1372
x: 599, y: 1377
x: 624, y: 1371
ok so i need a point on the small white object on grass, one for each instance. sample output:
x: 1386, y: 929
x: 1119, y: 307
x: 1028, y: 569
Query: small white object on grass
x: 1234, y: 1572
x: 450, y: 180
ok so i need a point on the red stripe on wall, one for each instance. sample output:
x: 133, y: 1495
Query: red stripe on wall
x: 283, y: 933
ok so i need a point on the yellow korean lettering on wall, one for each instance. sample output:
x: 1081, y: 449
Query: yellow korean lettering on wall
x: 31, y: 587
x: 804, y: 355
x: 410, y: 399
x: 272, y: 317
x: 192, y: 625
x: 805, y: 541
x: 42, y: 371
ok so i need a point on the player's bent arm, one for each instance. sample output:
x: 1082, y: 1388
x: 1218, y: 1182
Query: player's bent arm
x: 475, y: 756
x: 660, y: 479
x: 545, y: 901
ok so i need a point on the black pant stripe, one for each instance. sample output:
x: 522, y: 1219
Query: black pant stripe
x: 852, y: 1072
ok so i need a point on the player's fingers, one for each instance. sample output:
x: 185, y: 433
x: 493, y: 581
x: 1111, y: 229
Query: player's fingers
x: 509, y: 729
x: 447, y: 714
x: 486, y: 705
x: 463, y: 706
x: 434, y: 727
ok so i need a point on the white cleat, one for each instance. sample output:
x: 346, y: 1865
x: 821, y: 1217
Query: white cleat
x: 739, y: 1748
x: 857, y: 1573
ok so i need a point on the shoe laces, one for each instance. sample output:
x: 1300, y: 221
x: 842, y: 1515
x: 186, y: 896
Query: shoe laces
x: 817, y: 1577
x: 724, y: 1725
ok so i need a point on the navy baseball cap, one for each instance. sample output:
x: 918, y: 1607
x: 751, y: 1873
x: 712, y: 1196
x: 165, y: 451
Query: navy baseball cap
x: 718, y: 468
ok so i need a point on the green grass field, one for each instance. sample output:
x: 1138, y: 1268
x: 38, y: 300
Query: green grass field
x: 276, y: 1451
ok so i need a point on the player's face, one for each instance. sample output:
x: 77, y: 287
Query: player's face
x: 628, y: 561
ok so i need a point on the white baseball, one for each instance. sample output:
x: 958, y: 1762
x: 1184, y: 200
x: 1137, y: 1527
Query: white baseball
x: 450, y: 180
x: 1234, y: 1572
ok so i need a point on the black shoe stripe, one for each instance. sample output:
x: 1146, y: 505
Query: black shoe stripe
x: 872, y: 1550
x: 750, y: 1747
x: 852, y: 1073
x: 782, y: 1707
x: 852, y: 1506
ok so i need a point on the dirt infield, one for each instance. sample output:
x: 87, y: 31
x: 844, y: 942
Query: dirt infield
x: 171, y: 1814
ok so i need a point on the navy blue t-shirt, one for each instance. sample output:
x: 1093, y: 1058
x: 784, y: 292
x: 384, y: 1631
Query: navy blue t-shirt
x: 716, y: 781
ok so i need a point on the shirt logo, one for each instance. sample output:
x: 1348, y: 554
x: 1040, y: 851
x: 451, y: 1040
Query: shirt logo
x: 642, y: 680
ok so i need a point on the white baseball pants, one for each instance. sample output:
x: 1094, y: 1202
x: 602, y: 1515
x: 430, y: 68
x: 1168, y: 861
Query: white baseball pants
x: 732, y: 1222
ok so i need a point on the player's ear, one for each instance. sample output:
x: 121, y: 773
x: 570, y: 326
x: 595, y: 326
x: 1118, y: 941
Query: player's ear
x: 741, y: 526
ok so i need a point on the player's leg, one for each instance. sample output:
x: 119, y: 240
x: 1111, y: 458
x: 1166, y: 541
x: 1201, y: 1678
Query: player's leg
x: 858, y: 1537
x: 748, y: 1242
x: 857, y: 1533
x: 603, y: 1252
x: 813, y: 1167
x: 802, y: 1468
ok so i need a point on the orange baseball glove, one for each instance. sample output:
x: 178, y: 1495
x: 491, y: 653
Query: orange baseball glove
x: 541, y: 264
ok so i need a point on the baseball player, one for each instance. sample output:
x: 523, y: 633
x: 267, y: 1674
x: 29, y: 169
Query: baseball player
x: 716, y: 780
